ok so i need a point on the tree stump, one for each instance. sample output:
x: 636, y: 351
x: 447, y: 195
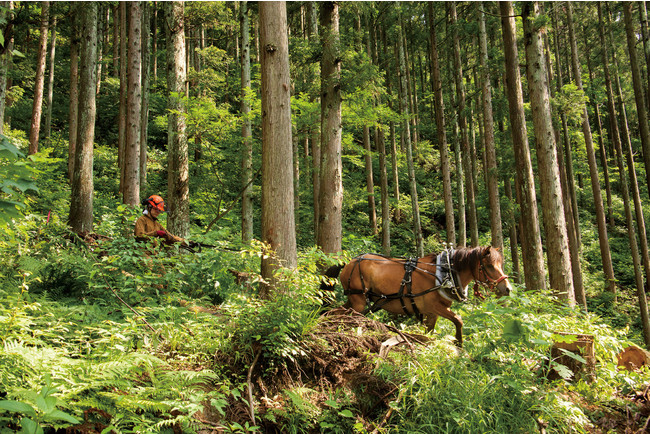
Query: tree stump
x: 633, y: 358
x: 575, y: 352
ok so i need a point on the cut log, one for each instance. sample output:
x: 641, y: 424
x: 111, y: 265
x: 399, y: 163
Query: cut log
x: 633, y: 358
x: 575, y: 352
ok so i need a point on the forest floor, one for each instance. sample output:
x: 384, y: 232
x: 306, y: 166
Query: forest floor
x: 343, y: 352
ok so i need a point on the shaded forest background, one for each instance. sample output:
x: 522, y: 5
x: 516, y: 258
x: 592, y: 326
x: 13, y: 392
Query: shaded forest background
x: 433, y: 146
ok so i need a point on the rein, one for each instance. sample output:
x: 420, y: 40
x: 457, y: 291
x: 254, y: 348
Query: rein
x: 488, y: 282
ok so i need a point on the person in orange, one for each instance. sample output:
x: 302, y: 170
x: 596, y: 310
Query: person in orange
x: 148, y: 226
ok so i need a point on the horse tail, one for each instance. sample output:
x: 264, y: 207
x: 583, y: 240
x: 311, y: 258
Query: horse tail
x: 332, y: 272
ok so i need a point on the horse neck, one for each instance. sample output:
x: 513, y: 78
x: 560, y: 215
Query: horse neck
x: 466, y: 263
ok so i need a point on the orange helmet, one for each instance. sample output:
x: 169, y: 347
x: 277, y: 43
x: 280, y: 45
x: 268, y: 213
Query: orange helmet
x: 156, y: 202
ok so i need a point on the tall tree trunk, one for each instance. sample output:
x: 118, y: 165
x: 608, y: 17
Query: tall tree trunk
x: 381, y: 149
x: 567, y: 162
x: 178, y: 221
x: 644, y: 129
x: 117, y: 22
x: 603, y: 238
x: 246, y: 132
x: 278, y: 224
x: 393, y: 141
x: 627, y: 146
x: 73, y: 116
x: 50, y: 81
x: 441, y: 132
x: 146, y: 74
x: 5, y: 57
x: 39, y: 81
x: 80, y: 218
x: 557, y: 243
x: 512, y: 223
x: 406, y: 135
x: 131, y: 191
x: 530, y: 234
x: 154, y: 42
x: 490, y: 152
x: 464, y: 133
x: 616, y: 139
x: 370, y: 183
x: 568, y: 188
x: 331, y: 183
x: 121, y: 124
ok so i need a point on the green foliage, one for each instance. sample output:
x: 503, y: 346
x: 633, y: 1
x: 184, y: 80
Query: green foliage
x: 16, y: 177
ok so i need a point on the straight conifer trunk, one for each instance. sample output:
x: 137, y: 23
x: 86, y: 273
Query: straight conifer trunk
x: 464, y: 132
x: 278, y: 218
x: 178, y: 220
x: 603, y: 238
x: 73, y: 115
x: 39, y: 81
x: 80, y: 218
x: 441, y: 132
x: 50, y: 80
x: 616, y: 139
x: 644, y: 129
x: 331, y: 182
x: 131, y: 191
x: 490, y: 152
x: 406, y: 135
x: 533, y: 258
x: 557, y: 244
x: 246, y: 132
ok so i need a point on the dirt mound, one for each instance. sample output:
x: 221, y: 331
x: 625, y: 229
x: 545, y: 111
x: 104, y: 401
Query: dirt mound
x: 340, y: 355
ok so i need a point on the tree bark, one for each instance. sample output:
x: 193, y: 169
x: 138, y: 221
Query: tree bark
x: 50, y: 80
x: 616, y: 139
x: 278, y: 224
x: 436, y: 83
x: 488, y: 131
x: 644, y: 129
x: 331, y: 183
x: 146, y: 80
x: 39, y: 81
x: 73, y: 115
x: 533, y: 259
x: 603, y: 237
x: 121, y: 123
x: 559, y: 264
x: 406, y: 135
x: 80, y: 218
x: 370, y: 183
x: 178, y: 220
x: 5, y: 57
x: 464, y: 133
x: 246, y: 132
x: 131, y: 191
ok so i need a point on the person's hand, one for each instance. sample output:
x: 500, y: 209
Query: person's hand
x: 161, y: 234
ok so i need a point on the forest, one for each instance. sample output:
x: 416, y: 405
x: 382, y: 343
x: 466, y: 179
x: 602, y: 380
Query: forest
x: 286, y: 140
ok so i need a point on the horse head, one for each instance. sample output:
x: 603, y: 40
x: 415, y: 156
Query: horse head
x: 490, y: 271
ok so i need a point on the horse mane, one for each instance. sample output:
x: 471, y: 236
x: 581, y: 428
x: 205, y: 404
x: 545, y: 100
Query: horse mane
x: 470, y: 257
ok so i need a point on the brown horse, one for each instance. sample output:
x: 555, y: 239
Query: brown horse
x: 424, y: 286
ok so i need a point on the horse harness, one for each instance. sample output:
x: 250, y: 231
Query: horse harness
x: 449, y: 286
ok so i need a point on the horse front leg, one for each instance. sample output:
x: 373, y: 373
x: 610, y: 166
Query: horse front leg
x: 458, y: 322
x: 356, y: 302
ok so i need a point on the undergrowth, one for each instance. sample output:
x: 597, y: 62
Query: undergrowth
x: 108, y: 335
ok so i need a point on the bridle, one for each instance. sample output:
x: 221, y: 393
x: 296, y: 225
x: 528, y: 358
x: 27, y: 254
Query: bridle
x: 488, y: 282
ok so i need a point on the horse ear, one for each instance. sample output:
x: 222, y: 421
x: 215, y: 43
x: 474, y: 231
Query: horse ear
x: 486, y: 252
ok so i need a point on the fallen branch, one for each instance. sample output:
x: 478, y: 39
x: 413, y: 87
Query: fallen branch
x: 138, y: 314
